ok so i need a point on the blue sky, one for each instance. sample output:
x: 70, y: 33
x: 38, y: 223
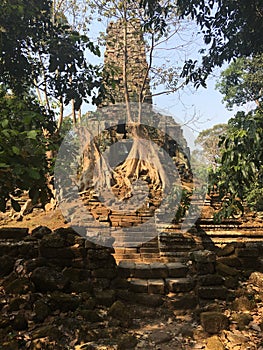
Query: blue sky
x: 204, y: 106
x: 199, y: 109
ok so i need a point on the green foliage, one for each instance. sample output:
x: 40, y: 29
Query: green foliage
x: 45, y: 52
x: 239, y: 176
x: 241, y: 82
x: 230, y: 29
x: 39, y: 53
x: 208, y: 139
x: 23, y: 147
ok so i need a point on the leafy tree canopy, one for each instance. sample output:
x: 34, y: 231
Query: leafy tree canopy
x: 239, y: 176
x: 209, y: 139
x: 40, y: 56
x: 242, y: 81
x: 34, y: 43
x: 23, y: 147
x: 230, y: 28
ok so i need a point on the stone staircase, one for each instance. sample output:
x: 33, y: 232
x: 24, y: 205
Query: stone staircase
x: 149, y: 283
x: 170, y: 245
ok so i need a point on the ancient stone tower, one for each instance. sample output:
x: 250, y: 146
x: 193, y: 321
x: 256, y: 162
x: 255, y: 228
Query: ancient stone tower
x: 132, y: 45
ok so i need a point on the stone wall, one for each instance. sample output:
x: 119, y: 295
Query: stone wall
x: 55, y: 260
x: 57, y: 288
x: 60, y: 260
x: 137, y: 66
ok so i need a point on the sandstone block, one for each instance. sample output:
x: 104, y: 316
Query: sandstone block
x: 177, y: 269
x: 203, y: 256
x: 211, y: 280
x: 156, y: 286
x: 225, y: 270
x: 179, y: 284
x: 211, y: 292
x: 213, y: 322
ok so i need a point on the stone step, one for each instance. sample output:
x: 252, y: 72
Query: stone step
x: 153, y: 270
x: 177, y: 285
x: 182, y: 301
x: 13, y: 233
x: 160, y: 285
x: 150, y: 286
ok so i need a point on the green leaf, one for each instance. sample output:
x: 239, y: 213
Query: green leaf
x: 32, y: 134
x: 4, y: 165
x: 33, y: 173
x: 15, y: 150
x: 5, y: 123
x: 16, y: 206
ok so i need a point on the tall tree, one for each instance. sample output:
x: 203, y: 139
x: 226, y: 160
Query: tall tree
x: 241, y: 82
x: 208, y: 139
x: 42, y: 57
x: 239, y: 176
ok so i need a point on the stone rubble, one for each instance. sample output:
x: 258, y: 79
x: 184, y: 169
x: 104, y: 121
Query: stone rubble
x: 58, y: 291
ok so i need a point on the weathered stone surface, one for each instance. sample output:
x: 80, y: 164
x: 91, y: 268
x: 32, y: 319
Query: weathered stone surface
x: 214, y: 322
x: 63, y: 253
x: 13, y: 233
x: 211, y: 279
x: 105, y: 298
x: 159, y: 270
x: 32, y: 264
x: 231, y: 282
x: 126, y: 269
x: 75, y: 274
x: 143, y: 271
x: 232, y: 261
x: 104, y: 273
x: 242, y: 320
x: 138, y: 285
x: 119, y: 311
x: 7, y: 264
x: 160, y: 337
x: 152, y: 300
x: 63, y: 302
x: 247, y: 252
x: 80, y: 287
x: 213, y: 292
x: 177, y: 269
x: 225, y: 270
x: 203, y: 256
x: 41, y: 310
x: 19, y: 286
x: 228, y: 249
x: 179, y: 284
x: 156, y: 286
x: 214, y: 343
x: 243, y: 304
x: 90, y: 316
x: 204, y: 268
x: 256, y: 278
x: 17, y: 303
x: 40, y: 231
x: 48, y: 279
x: 19, y: 322
x: 127, y: 341
x: 182, y: 302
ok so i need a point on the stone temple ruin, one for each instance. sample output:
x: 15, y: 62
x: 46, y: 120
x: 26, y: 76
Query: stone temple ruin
x: 160, y: 129
x: 56, y: 273
x: 137, y: 66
